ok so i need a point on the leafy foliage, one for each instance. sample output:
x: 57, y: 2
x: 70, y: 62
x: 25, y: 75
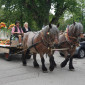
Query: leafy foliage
x: 36, y: 12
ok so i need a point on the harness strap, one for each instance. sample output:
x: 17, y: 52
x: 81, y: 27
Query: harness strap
x: 67, y: 36
x: 44, y: 42
x: 33, y: 43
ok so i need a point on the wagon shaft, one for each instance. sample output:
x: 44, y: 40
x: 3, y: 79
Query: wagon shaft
x: 60, y: 49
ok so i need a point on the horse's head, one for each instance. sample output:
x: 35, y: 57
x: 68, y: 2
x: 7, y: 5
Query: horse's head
x: 51, y: 34
x: 76, y: 29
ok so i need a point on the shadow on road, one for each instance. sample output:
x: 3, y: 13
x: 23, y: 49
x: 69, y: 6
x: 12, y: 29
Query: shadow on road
x: 14, y: 57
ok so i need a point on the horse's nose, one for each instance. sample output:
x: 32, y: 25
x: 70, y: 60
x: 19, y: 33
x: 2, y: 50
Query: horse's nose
x: 81, y: 35
x: 56, y: 41
x: 56, y: 45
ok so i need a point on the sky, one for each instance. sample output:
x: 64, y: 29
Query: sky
x: 67, y: 15
x: 52, y: 9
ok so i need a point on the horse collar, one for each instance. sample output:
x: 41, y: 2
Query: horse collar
x: 66, y: 34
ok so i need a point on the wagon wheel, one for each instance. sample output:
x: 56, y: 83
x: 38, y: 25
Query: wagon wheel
x: 81, y: 53
x: 8, y: 57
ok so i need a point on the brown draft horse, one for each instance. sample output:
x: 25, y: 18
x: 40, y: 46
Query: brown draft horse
x: 46, y: 38
x: 69, y: 39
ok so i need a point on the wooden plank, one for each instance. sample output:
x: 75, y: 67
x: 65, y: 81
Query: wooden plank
x: 14, y: 43
x: 4, y: 50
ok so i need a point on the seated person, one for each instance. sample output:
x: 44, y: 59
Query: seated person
x: 26, y: 28
x: 17, y: 32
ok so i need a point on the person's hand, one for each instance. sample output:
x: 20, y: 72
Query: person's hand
x: 20, y: 33
x: 16, y: 32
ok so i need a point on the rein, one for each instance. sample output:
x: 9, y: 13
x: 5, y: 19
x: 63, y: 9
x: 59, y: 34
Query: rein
x: 29, y: 47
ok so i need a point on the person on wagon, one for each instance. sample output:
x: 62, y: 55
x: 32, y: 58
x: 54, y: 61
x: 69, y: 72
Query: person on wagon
x: 26, y: 28
x: 17, y: 32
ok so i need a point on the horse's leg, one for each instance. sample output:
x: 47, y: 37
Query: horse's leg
x: 35, y: 61
x: 55, y: 65
x: 43, y: 63
x: 71, y: 67
x: 52, y: 63
x: 63, y: 64
x: 24, y: 59
x: 71, y: 64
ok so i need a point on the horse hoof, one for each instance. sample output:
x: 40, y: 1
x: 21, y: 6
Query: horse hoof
x: 36, y: 65
x: 63, y: 64
x: 24, y: 64
x: 55, y: 65
x: 51, y: 68
x: 71, y: 69
x: 44, y: 69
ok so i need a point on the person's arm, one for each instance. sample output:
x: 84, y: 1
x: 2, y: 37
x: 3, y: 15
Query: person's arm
x: 22, y: 30
x: 16, y: 33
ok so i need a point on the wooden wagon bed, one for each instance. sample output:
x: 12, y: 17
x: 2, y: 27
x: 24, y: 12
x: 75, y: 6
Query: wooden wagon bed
x: 9, y: 49
x: 5, y: 48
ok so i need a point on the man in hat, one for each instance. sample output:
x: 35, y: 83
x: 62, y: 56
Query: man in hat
x: 17, y: 32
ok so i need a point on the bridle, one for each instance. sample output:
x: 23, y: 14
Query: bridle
x: 70, y: 39
x: 45, y: 41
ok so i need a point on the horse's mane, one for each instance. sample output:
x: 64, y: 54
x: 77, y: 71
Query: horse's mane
x: 54, y: 30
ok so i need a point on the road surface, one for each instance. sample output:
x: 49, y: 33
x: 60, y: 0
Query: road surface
x: 13, y: 73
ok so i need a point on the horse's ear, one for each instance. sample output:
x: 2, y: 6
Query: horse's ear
x: 50, y: 25
x: 74, y: 28
x: 58, y: 24
x: 74, y: 23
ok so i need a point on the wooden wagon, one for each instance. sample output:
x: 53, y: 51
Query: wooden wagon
x: 10, y: 49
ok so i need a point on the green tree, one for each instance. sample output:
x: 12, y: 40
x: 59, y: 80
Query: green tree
x: 36, y: 12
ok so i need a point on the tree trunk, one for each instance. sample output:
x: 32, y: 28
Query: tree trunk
x: 60, y: 9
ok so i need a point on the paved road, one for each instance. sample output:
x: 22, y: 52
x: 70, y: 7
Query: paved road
x: 13, y: 73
